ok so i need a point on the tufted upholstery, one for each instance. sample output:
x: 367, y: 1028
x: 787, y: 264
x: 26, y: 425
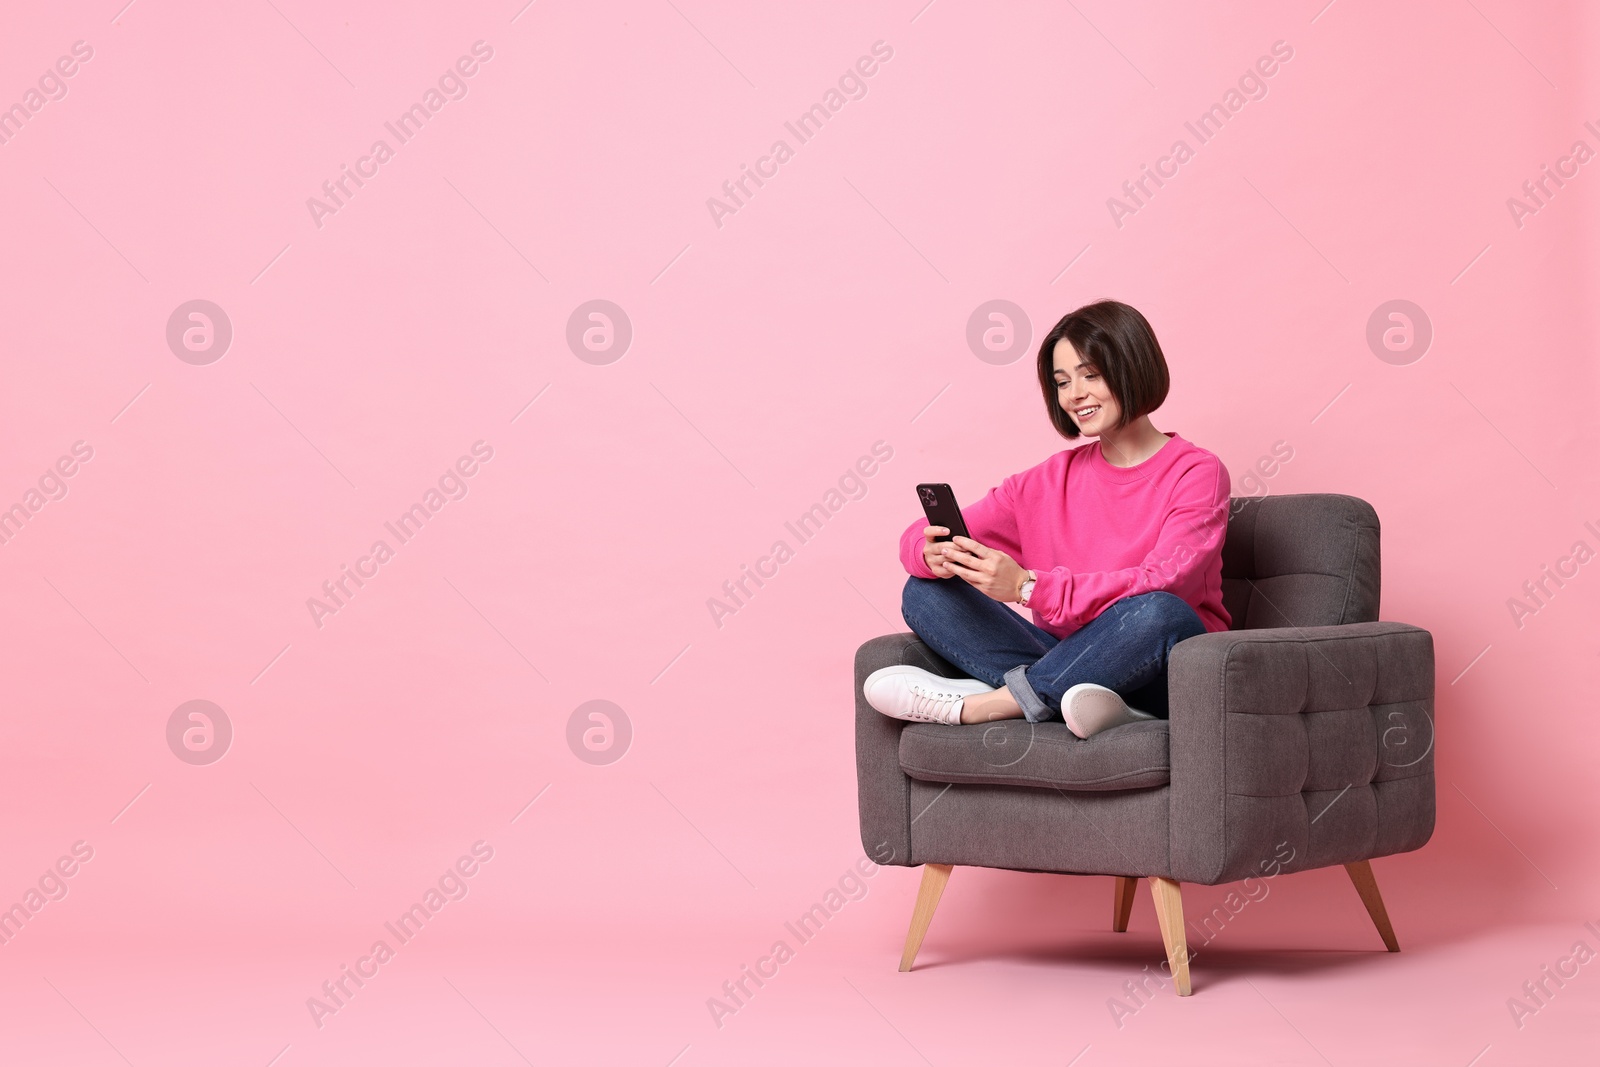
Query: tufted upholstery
x: 1306, y: 559
x: 1320, y: 737
x: 1309, y: 724
x: 1044, y: 754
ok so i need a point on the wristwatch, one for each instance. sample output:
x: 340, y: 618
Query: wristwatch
x: 1027, y: 588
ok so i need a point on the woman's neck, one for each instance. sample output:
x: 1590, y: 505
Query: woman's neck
x: 1133, y: 444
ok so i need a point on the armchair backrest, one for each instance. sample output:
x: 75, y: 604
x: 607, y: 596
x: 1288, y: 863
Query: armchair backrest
x: 1302, y: 559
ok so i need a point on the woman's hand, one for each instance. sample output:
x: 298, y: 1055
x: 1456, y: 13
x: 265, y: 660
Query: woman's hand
x: 989, y: 570
x: 933, y: 551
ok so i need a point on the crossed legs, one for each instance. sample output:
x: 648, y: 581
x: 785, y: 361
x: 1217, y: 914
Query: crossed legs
x: 1125, y: 648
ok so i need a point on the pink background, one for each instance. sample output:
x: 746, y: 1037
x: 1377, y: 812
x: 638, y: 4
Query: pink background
x: 768, y: 354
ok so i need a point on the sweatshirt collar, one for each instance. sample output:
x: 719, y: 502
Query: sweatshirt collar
x: 1138, y: 471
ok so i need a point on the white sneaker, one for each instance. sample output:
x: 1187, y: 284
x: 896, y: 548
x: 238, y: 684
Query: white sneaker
x: 1088, y: 709
x: 912, y: 693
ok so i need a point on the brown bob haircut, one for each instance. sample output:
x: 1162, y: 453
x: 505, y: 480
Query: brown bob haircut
x: 1118, y: 343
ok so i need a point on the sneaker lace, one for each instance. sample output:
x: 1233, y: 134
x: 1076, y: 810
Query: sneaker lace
x: 933, y: 704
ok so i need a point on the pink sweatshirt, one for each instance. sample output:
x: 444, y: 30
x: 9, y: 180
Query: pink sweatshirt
x: 1096, y: 533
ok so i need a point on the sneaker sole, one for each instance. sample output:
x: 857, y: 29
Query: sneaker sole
x: 1089, y: 709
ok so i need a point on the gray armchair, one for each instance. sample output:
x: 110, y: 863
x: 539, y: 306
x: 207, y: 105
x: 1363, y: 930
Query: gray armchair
x: 1300, y: 738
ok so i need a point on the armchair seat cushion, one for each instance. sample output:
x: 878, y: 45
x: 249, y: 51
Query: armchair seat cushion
x: 1043, y: 755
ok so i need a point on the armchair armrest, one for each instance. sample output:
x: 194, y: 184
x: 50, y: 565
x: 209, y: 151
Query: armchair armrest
x: 1299, y: 747
x: 883, y: 788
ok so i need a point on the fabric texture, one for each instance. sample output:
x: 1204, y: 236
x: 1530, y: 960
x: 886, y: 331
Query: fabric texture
x: 1319, y: 738
x: 1303, y: 737
x: 1123, y: 832
x: 1096, y: 533
x: 1042, y: 755
x: 1289, y: 560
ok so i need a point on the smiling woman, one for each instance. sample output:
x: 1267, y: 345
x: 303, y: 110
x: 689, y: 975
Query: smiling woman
x: 1115, y: 547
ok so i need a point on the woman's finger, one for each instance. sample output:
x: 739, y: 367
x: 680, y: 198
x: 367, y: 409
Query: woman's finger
x: 963, y: 559
x: 971, y: 546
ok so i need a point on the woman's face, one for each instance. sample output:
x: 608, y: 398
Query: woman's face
x: 1080, y: 388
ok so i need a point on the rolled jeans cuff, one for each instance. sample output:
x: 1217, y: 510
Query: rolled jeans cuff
x: 1033, y: 708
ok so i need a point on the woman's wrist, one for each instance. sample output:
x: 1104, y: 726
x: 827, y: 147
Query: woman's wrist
x: 1025, y: 587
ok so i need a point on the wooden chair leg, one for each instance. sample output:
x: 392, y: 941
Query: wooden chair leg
x: 1367, y: 886
x: 1169, y: 913
x: 934, y: 877
x: 1122, y: 906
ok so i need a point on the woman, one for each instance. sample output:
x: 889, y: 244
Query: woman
x: 1115, y: 548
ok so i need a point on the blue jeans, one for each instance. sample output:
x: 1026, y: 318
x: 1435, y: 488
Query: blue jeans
x: 1125, y: 648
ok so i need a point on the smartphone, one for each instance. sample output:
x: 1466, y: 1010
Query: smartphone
x: 939, y: 504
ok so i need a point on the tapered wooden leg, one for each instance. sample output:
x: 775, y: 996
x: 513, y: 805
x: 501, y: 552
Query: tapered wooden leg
x: 934, y: 877
x: 1122, y: 905
x: 1367, y: 886
x: 1169, y: 913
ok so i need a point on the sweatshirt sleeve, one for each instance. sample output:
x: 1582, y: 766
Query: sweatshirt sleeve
x: 992, y: 522
x: 1189, y: 542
